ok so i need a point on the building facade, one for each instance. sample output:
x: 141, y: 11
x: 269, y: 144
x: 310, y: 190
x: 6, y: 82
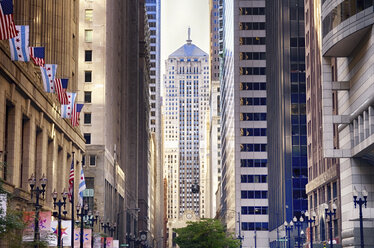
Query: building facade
x: 287, y: 130
x: 153, y: 8
x: 114, y: 78
x: 244, y: 197
x: 34, y: 139
x: 323, y: 173
x: 339, y: 52
x: 186, y: 113
x: 214, y: 122
x: 105, y: 178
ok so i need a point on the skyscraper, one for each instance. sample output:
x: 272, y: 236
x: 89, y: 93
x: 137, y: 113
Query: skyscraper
x: 153, y: 8
x: 114, y: 84
x: 186, y: 112
x: 340, y: 89
x: 244, y: 201
x: 215, y: 120
x: 287, y: 132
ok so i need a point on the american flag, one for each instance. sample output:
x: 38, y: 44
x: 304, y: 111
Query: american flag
x: 7, y: 27
x: 61, y: 85
x: 37, y: 54
x: 71, y: 181
x: 19, y: 45
x: 75, y: 114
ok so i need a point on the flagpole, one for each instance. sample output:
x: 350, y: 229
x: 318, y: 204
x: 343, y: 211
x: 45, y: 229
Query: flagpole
x: 72, y: 210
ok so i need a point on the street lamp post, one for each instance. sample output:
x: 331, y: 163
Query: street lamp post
x: 240, y: 237
x: 107, y: 226
x: 37, y: 191
x: 83, y: 212
x: 330, y: 213
x: 59, y: 205
x: 298, y: 224
x: 92, y: 220
x: 311, y: 219
x: 360, y: 202
x: 288, y: 227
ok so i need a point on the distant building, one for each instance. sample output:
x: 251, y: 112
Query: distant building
x: 153, y: 8
x: 244, y: 183
x: 287, y: 129
x: 186, y: 113
x: 215, y: 120
x: 340, y: 89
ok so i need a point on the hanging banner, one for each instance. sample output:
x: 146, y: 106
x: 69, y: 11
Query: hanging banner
x: 97, y: 240
x: 3, y: 203
x: 87, y: 235
x: 115, y: 243
x: 65, y: 233
x: 109, y: 242
x: 44, y: 226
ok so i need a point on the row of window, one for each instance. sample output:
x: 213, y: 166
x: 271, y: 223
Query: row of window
x: 253, y: 178
x: 252, y: 71
x: 258, y: 226
x: 252, y: 26
x: 252, y: 11
x: 254, y: 194
x: 253, y: 116
x: 253, y: 147
x: 252, y: 56
x: 342, y: 12
x: 250, y: 101
x: 253, y: 131
x: 252, y: 41
x: 252, y: 86
x: 254, y: 210
x: 253, y: 162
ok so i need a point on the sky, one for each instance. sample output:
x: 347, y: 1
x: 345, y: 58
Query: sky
x: 176, y: 17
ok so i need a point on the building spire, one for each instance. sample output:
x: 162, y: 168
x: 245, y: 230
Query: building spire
x: 189, y: 36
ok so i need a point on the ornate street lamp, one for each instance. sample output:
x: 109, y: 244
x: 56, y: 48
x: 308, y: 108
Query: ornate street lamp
x: 83, y: 212
x: 37, y: 191
x: 360, y: 201
x: 110, y: 227
x: 310, y: 220
x: 58, y: 215
x: 298, y: 224
x: 288, y: 227
x: 330, y: 213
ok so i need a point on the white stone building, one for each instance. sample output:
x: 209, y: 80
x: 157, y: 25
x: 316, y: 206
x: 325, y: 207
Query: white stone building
x: 186, y: 113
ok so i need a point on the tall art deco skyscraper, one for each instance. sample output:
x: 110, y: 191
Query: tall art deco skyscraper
x: 186, y: 112
x: 244, y: 197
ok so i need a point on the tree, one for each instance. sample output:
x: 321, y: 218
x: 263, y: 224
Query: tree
x: 206, y: 233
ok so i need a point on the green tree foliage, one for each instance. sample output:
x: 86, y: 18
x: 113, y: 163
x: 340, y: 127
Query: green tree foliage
x: 206, y: 233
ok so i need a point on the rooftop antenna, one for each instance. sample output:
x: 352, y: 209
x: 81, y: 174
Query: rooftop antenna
x: 189, y: 36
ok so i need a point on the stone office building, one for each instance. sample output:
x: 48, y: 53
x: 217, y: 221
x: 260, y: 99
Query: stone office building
x: 340, y: 53
x: 34, y: 139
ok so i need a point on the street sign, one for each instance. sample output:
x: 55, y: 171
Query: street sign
x: 124, y: 245
x: 282, y: 239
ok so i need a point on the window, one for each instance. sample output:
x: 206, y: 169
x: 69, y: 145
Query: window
x: 87, y: 96
x: 92, y: 160
x: 87, y: 137
x: 88, y: 56
x: 88, y: 15
x: 88, y: 76
x: 334, y: 190
x: 88, y: 33
x: 87, y: 118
